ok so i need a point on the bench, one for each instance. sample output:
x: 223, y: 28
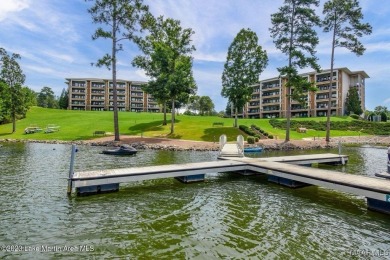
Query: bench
x: 218, y: 123
x: 301, y: 130
x: 103, y: 133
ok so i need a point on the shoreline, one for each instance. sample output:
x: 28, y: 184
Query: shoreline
x: 144, y: 143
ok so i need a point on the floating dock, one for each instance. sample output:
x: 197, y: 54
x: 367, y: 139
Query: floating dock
x: 291, y: 171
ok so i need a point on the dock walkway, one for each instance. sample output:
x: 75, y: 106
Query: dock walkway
x: 291, y: 171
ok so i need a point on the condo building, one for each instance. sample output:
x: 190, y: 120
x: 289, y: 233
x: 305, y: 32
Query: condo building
x: 97, y: 95
x: 269, y: 97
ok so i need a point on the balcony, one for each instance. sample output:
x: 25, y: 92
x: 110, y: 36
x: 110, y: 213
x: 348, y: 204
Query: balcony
x: 270, y: 94
x: 97, y: 92
x: 97, y: 85
x: 79, y: 84
x: 79, y: 103
x: 136, y: 88
x: 78, y: 91
x: 78, y: 97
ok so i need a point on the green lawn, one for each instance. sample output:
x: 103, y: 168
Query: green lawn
x: 80, y: 125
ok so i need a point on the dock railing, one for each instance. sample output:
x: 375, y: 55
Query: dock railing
x: 222, y: 142
x: 240, y: 144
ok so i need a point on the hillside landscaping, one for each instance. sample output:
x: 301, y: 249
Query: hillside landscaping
x: 81, y: 125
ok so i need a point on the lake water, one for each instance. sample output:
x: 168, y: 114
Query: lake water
x: 228, y: 216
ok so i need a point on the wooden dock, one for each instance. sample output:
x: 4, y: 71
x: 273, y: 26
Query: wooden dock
x: 291, y: 171
x: 231, y: 150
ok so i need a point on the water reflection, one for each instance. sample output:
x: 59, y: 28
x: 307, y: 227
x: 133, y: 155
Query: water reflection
x: 228, y: 216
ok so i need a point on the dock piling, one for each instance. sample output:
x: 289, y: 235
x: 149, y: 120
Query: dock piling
x: 71, y: 169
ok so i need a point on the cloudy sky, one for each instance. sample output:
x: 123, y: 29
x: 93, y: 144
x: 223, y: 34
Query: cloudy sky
x: 54, y: 39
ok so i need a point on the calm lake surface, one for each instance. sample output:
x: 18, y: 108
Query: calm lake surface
x: 228, y: 216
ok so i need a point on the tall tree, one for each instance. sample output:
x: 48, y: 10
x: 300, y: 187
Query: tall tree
x: 121, y: 19
x: 193, y: 104
x: 206, y: 105
x: 12, y: 75
x: 244, y: 63
x: 343, y: 20
x: 63, y: 101
x: 353, y: 103
x: 294, y: 35
x: 46, y: 98
x: 3, y: 99
x: 167, y: 61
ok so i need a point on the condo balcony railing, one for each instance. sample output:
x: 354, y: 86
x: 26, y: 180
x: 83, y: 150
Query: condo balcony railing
x: 78, y: 84
x: 78, y: 91
x: 98, y: 92
x: 268, y: 94
x: 97, y: 98
x: 95, y: 85
x: 78, y: 97
x: 78, y: 103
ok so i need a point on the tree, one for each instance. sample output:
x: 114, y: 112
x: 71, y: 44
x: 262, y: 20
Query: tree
x: 30, y: 97
x: 244, y: 63
x: 167, y: 62
x: 3, y: 98
x: 121, y: 17
x: 193, y: 103
x: 63, y: 101
x: 380, y: 109
x: 206, y: 106
x: 352, y: 102
x: 293, y: 34
x: 13, y: 78
x: 343, y: 20
x: 46, y: 98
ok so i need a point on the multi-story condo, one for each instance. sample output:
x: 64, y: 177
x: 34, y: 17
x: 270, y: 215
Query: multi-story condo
x: 97, y: 94
x: 269, y: 97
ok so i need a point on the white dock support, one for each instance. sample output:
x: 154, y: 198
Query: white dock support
x: 71, y: 168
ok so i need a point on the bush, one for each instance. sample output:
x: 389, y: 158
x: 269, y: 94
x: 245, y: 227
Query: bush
x: 383, y: 117
x: 355, y: 116
x: 270, y: 136
x: 257, y: 139
x: 250, y: 139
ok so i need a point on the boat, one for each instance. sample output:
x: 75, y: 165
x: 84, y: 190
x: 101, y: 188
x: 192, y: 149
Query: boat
x: 122, y: 150
x: 253, y: 149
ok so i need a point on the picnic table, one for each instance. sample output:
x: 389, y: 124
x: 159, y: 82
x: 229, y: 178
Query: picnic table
x: 32, y: 129
x: 301, y: 130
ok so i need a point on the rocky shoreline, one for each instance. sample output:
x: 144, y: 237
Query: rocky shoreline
x: 187, y: 145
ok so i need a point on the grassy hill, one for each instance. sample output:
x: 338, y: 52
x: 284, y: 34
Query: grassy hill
x: 80, y: 125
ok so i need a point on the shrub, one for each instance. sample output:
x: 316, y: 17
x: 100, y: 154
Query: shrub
x: 250, y: 139
x: 257, y: 139
x: 354, y: 116
x: 270, y: 136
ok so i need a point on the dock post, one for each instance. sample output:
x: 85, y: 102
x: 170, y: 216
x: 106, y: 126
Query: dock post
x: 339, y: 147
x: 71, y: 169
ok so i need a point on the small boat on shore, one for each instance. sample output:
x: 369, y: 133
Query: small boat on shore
x: 253, y: 149
x: 122, y: 150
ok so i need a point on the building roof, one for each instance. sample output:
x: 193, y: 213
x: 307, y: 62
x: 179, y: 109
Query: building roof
x: 345, y: 69
x: 100, y: 79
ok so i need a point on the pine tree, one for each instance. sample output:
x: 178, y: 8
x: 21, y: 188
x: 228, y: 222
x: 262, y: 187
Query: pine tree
x: 122, y: 18
x: 353, y: 103
x: 293, y: 34
x: 343, y: 20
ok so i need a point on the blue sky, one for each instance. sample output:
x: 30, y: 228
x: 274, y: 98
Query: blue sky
x: 54, y: 39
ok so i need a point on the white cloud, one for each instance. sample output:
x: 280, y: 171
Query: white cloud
x: 386, y: 101
x: 12, y: 6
